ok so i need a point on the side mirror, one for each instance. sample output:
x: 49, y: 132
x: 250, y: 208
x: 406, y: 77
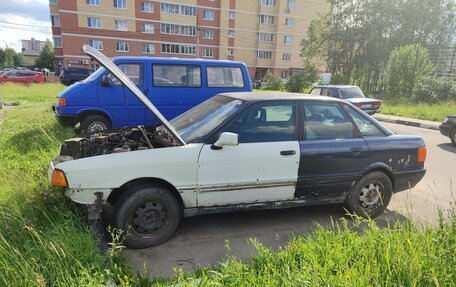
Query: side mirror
x: 226, y: 138
x: 105, y: 81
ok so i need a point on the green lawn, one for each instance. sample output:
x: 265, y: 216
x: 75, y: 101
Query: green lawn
x: 45, y: 242
x: 436, y: 112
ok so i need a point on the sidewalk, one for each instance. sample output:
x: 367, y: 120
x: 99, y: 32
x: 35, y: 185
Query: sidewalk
x: 408, y: 121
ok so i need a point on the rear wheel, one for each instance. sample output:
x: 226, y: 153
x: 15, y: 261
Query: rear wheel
x: 149, y: 213
x: 371, y: 195
x: 453, y: 136
x: 95, y: 123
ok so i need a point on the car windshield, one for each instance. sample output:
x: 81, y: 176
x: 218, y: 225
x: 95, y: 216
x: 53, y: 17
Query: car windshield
x: 94, y: 75
x: 196, y: 123
x: 354, y: 92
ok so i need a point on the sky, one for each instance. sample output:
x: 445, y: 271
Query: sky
x: 15, y: 15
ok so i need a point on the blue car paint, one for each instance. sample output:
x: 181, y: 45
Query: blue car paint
x: 122, y: 108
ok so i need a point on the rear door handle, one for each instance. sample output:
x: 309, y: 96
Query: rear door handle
x: 356, y: 150
x: 287, y: 152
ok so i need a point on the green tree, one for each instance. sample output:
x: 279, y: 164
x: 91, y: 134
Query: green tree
x: 47, y: 56
x: 273, y: 81
x: 406, y: 67
x: 9, y: 56
x: 301, y: 80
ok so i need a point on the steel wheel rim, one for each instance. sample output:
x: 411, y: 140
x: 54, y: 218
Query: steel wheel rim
x: 148, y: 217
x: 97, y: 126
x: 371, y: 196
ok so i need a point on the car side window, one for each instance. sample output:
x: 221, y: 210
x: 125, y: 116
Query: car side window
x: 264, y: 123
x: 224, y: 77
x: 176, y: 76
x: 365, y: 126
x: 132, y: 71
x: 326, y: 121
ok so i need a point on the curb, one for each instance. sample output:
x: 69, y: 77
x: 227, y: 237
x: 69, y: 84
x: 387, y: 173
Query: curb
x: 410, y: 122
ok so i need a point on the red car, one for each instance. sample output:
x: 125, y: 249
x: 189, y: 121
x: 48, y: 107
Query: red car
x: 22, y: 77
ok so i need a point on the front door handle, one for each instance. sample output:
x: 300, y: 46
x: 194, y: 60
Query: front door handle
x: 287, y: 152
x: 356, y: 150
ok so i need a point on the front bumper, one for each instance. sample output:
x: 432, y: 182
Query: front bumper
x: 65, y: 120
x: 405, y: 180
x: 445, y: 129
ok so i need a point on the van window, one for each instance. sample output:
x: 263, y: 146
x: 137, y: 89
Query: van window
x: 224, y: 77
x: 132, y: 71
x: 177, y: 76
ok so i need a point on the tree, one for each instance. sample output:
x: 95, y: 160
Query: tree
x: 47, y: 57
x: 301, y: 80
x: 406, y: 67
x: 273, y: 81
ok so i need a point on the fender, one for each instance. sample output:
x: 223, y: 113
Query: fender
x: 96, y: 111
x: 378, y: 165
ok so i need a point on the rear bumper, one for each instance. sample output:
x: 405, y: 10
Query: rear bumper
x: 445, y: 129
x: 371, y: 112
x: 405, y: 180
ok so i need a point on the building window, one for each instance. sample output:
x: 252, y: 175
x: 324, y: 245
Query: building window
x: 147, y: 7
x: 261, y: 54
x: 148, y: 49
x: 230, y: 52
x: 188, y: 10
x: 97, y: 44
x: 57, y: 41
x: 121, y: 25
x: 232, y: 15
x: 284, y: 74
x: 289, y: 22
x: 120, y: 4
x: 55, y: 20
x: 93, y: 2
x: 147, y: 28
x: 177, y: 9
x: 288, y: 40
x: 122, y: 47
x: 265, y: 37
x: 178, y: 49
x: 291, y: 4
x: 94, y: 67
x: 188, y: 50
x: 93, y: 22
x: 230, y: 34
x: 208, y: 15
x: 266, y: 19
x: 188, y: 30
x: 208, y: 34
x: 208, y: 53
x: 54, y: 2
x: 166, y: 28
x: 286, y: 57
x: 271, y: 3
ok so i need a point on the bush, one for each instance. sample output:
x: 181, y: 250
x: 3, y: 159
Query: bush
x: 273, y: 81
x: 432, y: 90
x: 299, y: 81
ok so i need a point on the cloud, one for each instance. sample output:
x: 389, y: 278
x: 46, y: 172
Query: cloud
x: 36, y: 10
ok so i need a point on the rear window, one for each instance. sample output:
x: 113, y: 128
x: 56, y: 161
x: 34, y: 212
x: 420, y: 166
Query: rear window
x: 354, y: 92
x: 177, y: 76
x: 224, y: 77
x: 315, y: 91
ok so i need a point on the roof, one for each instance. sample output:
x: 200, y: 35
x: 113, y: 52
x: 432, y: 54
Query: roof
x: 176, y: 60
x: 336, y: 86
x: 273, y: 96
x: 30, y: 53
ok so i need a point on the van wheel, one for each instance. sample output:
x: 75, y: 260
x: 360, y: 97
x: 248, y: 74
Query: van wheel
x: 371, y: 195
x: 149, y: 214
x: 95, y: 123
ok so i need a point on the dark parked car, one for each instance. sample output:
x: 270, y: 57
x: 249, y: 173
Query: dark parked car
x: 72, y: 75
x: 448, y: 128
x: 351, y: 94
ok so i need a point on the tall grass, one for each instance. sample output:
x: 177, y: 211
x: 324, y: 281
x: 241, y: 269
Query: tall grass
x: 431, y: 112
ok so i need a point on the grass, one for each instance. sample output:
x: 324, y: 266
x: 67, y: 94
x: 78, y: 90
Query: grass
x: 435, y: 112
x: 44, y: 240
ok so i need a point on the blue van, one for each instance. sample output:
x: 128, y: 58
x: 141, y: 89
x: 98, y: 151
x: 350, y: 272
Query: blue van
x: 174, y: 86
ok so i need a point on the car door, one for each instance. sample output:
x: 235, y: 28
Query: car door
x: 332, y: 153
x: 262, y: 168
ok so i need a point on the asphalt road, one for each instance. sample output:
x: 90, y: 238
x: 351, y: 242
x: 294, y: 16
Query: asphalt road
x: 201, y: 241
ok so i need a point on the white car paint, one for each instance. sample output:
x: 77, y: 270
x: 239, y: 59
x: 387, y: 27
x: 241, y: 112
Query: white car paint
x: 247, y: 173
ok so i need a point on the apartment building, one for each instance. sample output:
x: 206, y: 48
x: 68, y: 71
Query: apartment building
x: 264, y: 34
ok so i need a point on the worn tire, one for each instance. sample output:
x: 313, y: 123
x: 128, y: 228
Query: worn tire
x: 149, y: 213
x: 453, y: 136
x: 94, y: 123
x: 364, y: 199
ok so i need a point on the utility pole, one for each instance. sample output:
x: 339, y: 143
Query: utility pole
x: 197, y: 35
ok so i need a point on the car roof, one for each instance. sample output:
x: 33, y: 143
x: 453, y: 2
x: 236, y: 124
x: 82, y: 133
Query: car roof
x: 177, y: 60
x: 336, y: 86
x: 276, y: 96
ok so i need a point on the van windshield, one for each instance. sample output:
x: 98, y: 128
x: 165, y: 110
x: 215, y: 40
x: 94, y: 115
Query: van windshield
x: 195, y: 124
x: 94, y: 75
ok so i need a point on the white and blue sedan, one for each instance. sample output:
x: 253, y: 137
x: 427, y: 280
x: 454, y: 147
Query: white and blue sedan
x: 237, y: 151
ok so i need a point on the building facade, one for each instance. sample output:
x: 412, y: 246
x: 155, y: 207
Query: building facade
x: 33, y: 45
x: 264, y: 34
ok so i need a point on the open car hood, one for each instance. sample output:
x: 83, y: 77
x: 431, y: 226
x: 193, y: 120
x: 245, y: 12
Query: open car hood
x: 111, y: 67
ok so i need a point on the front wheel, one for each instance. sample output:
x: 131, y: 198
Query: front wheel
x: 371, y: 195
x: 149, y: 214
x: 95, y: 123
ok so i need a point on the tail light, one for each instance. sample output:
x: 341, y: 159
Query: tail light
x: 422, y: 151
x: 376, y: 105
x: 359, y: 105
x: 62, y: 102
